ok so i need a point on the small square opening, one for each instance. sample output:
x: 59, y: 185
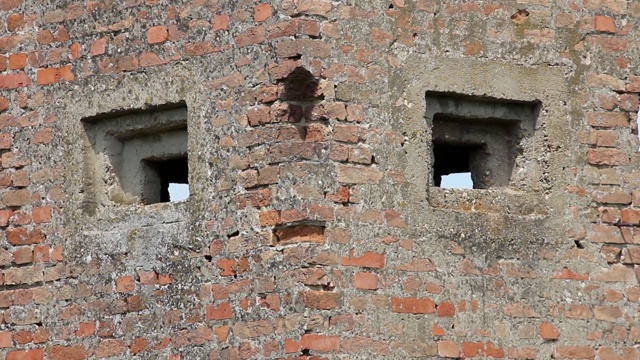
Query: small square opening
x: 137, y: 156
x: 164, y: 179
x: 478, y: 137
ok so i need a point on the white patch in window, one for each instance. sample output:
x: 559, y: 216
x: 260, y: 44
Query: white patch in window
x: 178, y: 192
x: 457, y: 181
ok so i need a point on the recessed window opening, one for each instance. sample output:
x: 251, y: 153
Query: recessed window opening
x: 477, y: 138
x: 164, y: 176
x: 134, y: 157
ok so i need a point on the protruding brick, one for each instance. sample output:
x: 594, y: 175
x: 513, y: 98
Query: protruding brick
x: 605, y: 24
x: 549, y: 332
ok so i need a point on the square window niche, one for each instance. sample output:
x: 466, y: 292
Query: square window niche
x: 476, y: 140
x: 137, y: 157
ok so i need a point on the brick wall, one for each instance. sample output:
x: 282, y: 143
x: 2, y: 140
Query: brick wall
x: 312, y: 229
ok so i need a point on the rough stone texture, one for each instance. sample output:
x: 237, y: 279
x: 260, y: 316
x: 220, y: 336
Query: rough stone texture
x: 313, y: 227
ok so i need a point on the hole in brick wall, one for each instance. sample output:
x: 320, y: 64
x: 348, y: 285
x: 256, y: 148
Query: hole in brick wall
x: 477, y: 138
x: 300, y: 85
x: 137, y: 156
x: 300, y: 233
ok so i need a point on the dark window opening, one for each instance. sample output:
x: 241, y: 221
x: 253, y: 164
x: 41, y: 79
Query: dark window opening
x: 477, y: 138
x: 164, y: 173
x: 137, y: 156
x: 454, y: 159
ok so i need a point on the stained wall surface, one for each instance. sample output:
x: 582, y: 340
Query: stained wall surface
x: 313, y: 227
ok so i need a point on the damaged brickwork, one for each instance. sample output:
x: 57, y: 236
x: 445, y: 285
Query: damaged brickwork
x: 315, y: 227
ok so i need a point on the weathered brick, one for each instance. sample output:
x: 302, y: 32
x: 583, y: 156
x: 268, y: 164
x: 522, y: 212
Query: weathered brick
x: 364, y: 280
x: 32, y: 354
x: 413, y: 305
x: 300, y: 234
x: 57, y: 352
x: 109, y: 347
x: 54, y: 75
x: 157, y: 34
x: 14, y: 81
x: 574, y: 352
x: 251, y: 36
x: 322, y: 299
x: 607, y: 157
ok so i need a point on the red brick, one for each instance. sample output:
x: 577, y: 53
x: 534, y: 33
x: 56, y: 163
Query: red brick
x: 125, y: 284
x: 270, y: 217
x: 41, y: 214
x: 15, y: 22
x: 6, y: 339
x: 99, y: 47
x: 14, y: 81
x: 567, y: 274
x: 110, y: 347
x: 369, y: 260
x: 148, y: 278
x: 446, y: 309
x: 608, y: 119
x: 607, y: 313
x: 320, y: 343
x: 45, y: 37
x: 86, y: 329
x: 227, y: 266
x: 23, y: 255
x: 57, y: 352
x: 348, y: 174
x: 4, y: 104
x: 33, y: 354
x: 138, y: 345
x: 54, y: 75
x: 601, y: 156
x: 300, y: 234
x: 448, y: 348
x: 324, y: 300
x: 412, y: 305
x: 519, y: 310
x: 157, y: 34
x: 262, y: 12
x: 605, y: 24
x: 574, y: 352
x: 222, y: 312
x: 472, y: 349
x: 17, y: 61
x: 630, y: 216
x: 42, y: 136
x: 21, y: 236
x: 609, y: 44
x: 252, y: 36
x: 549, y: 332
x: 364, y: 280
x: 306, y: 7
